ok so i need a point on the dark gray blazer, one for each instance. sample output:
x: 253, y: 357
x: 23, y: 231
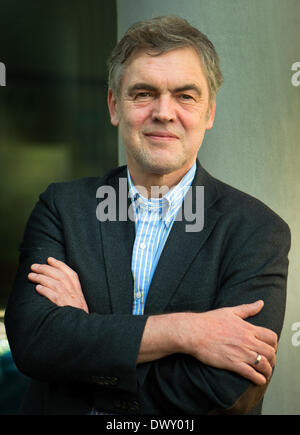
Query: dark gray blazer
x: 79, y: 361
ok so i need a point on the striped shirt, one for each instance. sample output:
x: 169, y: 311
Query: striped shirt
x: 154, y: 219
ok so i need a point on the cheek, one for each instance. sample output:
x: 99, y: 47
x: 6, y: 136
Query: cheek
x: 194, y: 130
x: 134, y: 118
x: 139, y: 119
x: 191, y: 123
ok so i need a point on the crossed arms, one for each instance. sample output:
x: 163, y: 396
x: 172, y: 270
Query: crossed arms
x: 55, y: 335
x: 219, y: 338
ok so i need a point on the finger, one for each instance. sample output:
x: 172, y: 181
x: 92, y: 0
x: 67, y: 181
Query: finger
x: 269, y: 356
x: 47, y: 270
x: 267, y: 336
x: 247, y: 310
x: 46, y: 281
x: 259, y: 346
x: 68, y: 272
x: 261, y: 365
x: 61, y: 266
x: 267, y: 351
x: 47, y: 293
x: 248, y: 372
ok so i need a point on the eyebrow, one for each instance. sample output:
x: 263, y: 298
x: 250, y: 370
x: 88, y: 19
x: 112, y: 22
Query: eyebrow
x: 189, y: 87
x: 138, y: 86
x: 147, y: 87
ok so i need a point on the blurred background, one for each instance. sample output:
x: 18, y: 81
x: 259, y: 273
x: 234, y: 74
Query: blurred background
x: 54, y: 126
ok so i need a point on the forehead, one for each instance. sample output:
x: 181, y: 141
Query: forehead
x: 175, y: 68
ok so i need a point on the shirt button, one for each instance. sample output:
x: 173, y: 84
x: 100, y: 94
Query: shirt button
x: 138, y: 295
x: 142, y: 245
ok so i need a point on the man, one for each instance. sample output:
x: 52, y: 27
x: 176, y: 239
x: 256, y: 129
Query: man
x: 143, y: 315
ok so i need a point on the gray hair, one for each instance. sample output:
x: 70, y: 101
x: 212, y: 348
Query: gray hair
x: 157, y: 36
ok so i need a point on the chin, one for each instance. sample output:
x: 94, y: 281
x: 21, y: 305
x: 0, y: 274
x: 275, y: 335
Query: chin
x: 158, y: 163
x: 162, y: 167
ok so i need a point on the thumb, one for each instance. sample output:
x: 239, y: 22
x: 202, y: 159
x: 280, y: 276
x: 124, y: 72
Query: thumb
x: 248, y: 310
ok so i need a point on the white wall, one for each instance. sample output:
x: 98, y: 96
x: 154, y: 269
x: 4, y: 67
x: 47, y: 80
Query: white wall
x: 255, y: 142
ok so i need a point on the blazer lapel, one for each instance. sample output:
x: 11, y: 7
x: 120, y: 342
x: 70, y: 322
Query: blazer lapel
x: 178, y: 253
x: 182, y: 247
x: 117, y: 240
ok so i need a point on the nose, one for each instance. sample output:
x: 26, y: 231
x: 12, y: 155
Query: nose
x: 163, y: 110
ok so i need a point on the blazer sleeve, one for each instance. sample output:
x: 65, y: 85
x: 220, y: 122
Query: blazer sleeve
x: 257, y: 269
x: 51, y: 343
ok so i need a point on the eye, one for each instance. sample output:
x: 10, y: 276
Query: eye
x: 143, y: 95
x: 186, y: 97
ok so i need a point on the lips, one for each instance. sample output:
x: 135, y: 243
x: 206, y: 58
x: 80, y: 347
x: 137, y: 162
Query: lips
x: 161, y: 135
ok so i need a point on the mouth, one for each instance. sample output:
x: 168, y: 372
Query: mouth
x: 161, y: 136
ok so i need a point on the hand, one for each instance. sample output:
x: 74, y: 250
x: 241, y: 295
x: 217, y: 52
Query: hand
x: 223, y: 339
x: 58, y: 283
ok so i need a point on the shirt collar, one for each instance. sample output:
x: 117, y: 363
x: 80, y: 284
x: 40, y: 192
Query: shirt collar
x: 170, y: 203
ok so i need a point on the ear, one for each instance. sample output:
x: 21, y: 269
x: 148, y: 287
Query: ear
x: 113, y: 108
x: 211, y: 115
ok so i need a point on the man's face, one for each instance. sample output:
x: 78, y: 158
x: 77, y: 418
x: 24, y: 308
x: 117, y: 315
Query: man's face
x: 163, y: 110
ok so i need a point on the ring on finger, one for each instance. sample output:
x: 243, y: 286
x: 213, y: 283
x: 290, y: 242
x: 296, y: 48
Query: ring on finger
x: 258, y: 359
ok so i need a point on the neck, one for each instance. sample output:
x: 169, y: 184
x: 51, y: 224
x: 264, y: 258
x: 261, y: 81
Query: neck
x: 152, y: 185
